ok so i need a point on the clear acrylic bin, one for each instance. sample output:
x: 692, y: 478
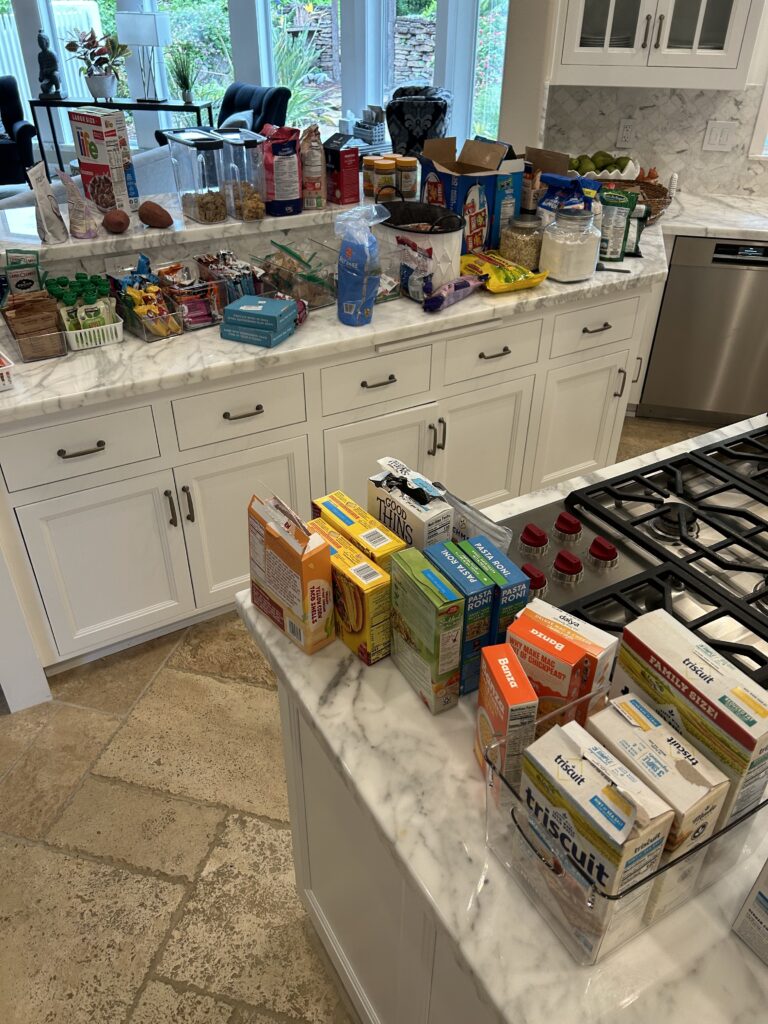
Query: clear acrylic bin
x: 306, y: 271
x: 198, y: 168
x: 589, y: 923
x: 158, y: 328
x: 390, y: 258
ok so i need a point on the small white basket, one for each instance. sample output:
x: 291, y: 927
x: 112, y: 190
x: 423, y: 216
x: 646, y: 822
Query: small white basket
x: 6, y: 373
x: 95, y: 337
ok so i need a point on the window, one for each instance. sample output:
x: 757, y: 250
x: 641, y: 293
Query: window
x: 205, y: 25
x: 306, y: 49
x: 415, y: 24
x: 489, y: 66
x: 11, y: 57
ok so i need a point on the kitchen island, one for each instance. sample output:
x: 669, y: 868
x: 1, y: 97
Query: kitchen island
x: 421, y: 921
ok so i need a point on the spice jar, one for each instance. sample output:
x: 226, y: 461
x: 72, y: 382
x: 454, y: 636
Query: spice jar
x: 407, y: 176
x: 521, y: 241
x: 369, y: 164
x: 570, y: 246
x: 384, y: 178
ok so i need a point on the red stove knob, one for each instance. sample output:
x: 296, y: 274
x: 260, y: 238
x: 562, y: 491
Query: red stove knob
x: 602, y: 553
x: 537, y: 578
x: 567, y: 527
x: 568, y: 567
x: 534, y: 539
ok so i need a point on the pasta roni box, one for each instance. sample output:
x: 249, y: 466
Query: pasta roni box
x: 409, y: 505
x: 714, y: 705
x: 506, y: 709
x: 427, y: 615
x: 361, y: 597
x: 512, y: 585
x: 477, y: 589
x: 603, y: 826
x: 290, y: 573
x: 354, y: 523
x: 104, y: 155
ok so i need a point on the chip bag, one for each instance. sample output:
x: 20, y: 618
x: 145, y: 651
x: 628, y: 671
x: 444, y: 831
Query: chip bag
x: 503, y: 275
x: 617, y: 210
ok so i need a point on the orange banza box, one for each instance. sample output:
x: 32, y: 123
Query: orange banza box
x: 290, y: 573
x: 506, y: 708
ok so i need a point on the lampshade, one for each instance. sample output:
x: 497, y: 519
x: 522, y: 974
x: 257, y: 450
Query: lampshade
x: 136, y: 29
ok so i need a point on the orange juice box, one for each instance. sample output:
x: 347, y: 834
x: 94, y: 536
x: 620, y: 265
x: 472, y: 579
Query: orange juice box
x: 358, y: 526
x: 290, y: 573
x: 506, y: 709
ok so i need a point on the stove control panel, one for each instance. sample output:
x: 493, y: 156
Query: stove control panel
x: 533, y: 540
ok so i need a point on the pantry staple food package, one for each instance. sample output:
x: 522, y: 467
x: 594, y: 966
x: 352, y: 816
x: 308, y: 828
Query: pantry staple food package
x: 506, y: 709
x: 104, y: 155
x: 358, y: 526
x: 409, y: 505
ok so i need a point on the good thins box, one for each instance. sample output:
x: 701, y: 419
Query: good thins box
x: 356, y: 525
x: 290, y: 573
x: 427, y: 615
x: 361, y: 597
x: 714, y: 705
x: 409, y: 505
x: 513, y: 586
x: 104, y: 155
x: 506, y: 708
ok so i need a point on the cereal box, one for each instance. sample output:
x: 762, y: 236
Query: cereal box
x: 506, y: 708
x: 408, y: 504
x: 361, y: 597
x: 512, y: 585
x: 751, y: 924
x: 290, y: 573
x: 427, y: 614
x: 354, y: 523
x: 104, y: 155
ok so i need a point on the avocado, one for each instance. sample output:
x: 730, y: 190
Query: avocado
x: 601, y: 159
x: 622, y: 162
x: 585, y: 165
x: 573, y: 163
x: 610, y: 168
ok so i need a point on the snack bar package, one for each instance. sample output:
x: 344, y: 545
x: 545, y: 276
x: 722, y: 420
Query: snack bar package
x: 353, y: 522
x: 409, y: 505
x: 512, y: 586
x: 506, y: 709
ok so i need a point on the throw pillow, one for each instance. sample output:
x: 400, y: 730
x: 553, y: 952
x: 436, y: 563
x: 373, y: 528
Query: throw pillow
x: 240, y: 119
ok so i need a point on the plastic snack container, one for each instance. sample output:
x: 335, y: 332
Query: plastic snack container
x: 243, y: 182
x: 197, y: 158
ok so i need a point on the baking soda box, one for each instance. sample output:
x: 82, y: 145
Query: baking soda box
x: 506, y: 709
x: 104, y: 155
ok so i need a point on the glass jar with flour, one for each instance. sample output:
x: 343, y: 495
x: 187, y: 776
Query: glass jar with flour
x: 570, y: 246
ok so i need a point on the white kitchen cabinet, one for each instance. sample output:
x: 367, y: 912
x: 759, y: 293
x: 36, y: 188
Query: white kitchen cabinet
x: 699, y: 33
x: 608, y: 32
x: 214, y: 496
x: 110, y: 562
x: 583, y: 407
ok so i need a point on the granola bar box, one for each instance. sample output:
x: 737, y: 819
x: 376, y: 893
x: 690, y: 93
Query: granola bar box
x: 104, y: 155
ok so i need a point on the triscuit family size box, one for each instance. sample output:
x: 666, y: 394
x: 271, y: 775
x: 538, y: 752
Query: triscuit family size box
x: 361, y: 596
x: 751, y: 924
x: 409, y: 505
x: 290, y: 573
x: 353, y: 522
x: 506, y: 709
x: 427, y: 615
x: 512, y: 585
x: 104, y: 155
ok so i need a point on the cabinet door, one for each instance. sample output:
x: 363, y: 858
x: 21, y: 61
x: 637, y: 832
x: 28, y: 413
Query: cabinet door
x: 608, y: 32
x: 110, y: 562
x: 351, y: 451
x: 481, y: 438
x: 214, y: 496
x: 581, y: 404
x: 699, y: 33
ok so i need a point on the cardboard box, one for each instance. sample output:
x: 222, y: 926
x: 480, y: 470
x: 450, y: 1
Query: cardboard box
x: 427, y: 614
x: 342, y: 169
x: 680, y: 774
x: 353, y: 522
x: 477, y: 589
x: 506, y: 709
x: 263, y: 314
x: 409, y: 505
x: 362, y: 597
x: 704, y: 697
x: 512, y: 585
x: 751, y: 924
x: 104, y: 155
x: 290, y: 573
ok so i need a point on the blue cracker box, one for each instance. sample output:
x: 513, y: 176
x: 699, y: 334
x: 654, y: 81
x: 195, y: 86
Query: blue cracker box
x: 253, y: 336
x: 264, y: 314
x: 512, y: 585
x: 477, y: 589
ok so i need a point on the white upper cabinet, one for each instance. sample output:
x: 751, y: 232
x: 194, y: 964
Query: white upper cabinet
x: 656, y: 43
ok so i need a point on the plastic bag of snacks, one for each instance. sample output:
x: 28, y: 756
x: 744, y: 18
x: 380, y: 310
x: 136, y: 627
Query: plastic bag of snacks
x: 568, y: 194
x: 503, y: 276
x: 618, y: 207
x: 453, y: 291
x: 359, y: 272
x: 282, y: 171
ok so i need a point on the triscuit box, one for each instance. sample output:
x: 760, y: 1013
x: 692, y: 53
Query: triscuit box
x: 290, y: 573
x: 601, y: 824
x: 353, y: 522
x: 512, y: 585
x: 751, y: 924
x: 104, y: 155
x: 427, y: 614
x: 477, y: 589
x: 361, y: 596
x: 506, y: 709
x: 409, y: 505
x: 680, y: 774
x: 714, y: 705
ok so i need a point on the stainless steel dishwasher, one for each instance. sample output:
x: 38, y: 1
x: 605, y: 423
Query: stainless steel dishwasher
x: 709, y: 360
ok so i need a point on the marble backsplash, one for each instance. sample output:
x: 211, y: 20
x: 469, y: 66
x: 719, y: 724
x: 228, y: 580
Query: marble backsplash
x: 669, y: 131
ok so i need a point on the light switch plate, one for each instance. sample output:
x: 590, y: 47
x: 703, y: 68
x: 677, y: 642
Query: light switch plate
x: 720, y: 136
x: 626, y: 133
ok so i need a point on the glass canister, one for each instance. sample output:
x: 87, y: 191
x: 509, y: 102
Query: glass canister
x: 243, y: 182
x: 407, y: 176
x: 369, y: 167
x: 521, y: 241
x: 384, y: 179
x: 197, y: 158
x: 570, y: 246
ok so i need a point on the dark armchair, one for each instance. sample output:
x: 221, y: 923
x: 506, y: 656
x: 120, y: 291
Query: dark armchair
x: 268, y: 104
x: 417, y: 113
x: 16, y: 149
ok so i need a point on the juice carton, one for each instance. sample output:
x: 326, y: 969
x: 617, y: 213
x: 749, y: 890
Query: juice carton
x: 506, y: 708
x: 104, y: 155
x: 342, y: 170
x: 361, y: 597
x: 408, y: 504
x: 512, y: 585
x: 427, y: 614
x: 354, y: 523
x: 751, y: 924
x: 477, y: 589
x: 290, y: 573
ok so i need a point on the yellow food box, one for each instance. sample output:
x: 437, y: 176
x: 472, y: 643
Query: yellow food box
x: 358, y: 526
x: 362, y: 597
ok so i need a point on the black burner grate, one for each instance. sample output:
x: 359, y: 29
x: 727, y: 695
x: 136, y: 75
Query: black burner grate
x: 745, y: 457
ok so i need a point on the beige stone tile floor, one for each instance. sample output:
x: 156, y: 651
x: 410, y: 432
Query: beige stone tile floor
x: 145, y: 859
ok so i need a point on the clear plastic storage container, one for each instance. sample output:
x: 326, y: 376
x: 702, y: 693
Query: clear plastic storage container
x: 243, y: 182
x: 570, y: 246
x: 197, y: 158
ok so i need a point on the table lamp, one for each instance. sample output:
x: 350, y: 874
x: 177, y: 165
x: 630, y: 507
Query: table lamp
x: 145, y: 32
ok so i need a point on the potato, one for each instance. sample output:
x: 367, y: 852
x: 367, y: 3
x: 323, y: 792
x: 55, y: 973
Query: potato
x: 115, y: 221
x: 154, y: 215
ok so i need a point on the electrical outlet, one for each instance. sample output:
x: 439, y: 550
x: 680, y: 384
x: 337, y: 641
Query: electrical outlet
x: 626, y: 135
x: 720, y: 136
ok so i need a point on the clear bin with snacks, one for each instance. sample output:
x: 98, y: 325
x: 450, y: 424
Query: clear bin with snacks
x: 243, y: 183
x: 197, y: 158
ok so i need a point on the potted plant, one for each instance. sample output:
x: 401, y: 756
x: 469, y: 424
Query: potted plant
x: 102, y: 61
x: 181, y: 64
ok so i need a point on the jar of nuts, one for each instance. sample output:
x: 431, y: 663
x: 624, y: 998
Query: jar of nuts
x: 521, y: 241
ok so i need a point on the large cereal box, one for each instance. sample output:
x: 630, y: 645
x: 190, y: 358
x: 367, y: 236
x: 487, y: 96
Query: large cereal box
x: 104, y: 155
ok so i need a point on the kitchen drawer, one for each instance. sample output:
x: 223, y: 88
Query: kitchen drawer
x: 236, y: 412
x: 378, y: 379
x: 79, y: 447
x: 597, y: 325
x: 491, y: 351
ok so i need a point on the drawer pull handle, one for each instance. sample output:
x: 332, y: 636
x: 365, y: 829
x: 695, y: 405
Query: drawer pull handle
x: 657, y: 44
x: 391, y: 379
x: 620, y: 392
x: 173, y: 520
x: 636, y: 378
x: 441, y: 445
x: 597, y: 330
x: 497, y: 355
x: 243, y: 415
x: 648, y: 20
x: 433, y: 449
x: 64, y: 454
x: 190, y: 506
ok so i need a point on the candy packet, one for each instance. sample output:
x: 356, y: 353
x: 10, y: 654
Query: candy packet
x: 503, y: 275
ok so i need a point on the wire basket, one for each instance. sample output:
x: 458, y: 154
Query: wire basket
x: 94, y: 337
x: 47, y: 345
x: 6, y: 373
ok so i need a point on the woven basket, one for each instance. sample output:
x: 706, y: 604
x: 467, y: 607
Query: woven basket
x: 656, y: 196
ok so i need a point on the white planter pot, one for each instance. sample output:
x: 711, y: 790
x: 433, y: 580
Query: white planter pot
x: 186, y: 95
x: 101, y: 87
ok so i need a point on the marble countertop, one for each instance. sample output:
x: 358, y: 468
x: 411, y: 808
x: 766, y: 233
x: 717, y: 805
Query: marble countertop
x: 717, y: 216
x: 136, y: 368
x: 418, y: 778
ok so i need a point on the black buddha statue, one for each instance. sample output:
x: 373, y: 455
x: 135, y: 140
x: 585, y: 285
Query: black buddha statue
x: 50, y: 81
